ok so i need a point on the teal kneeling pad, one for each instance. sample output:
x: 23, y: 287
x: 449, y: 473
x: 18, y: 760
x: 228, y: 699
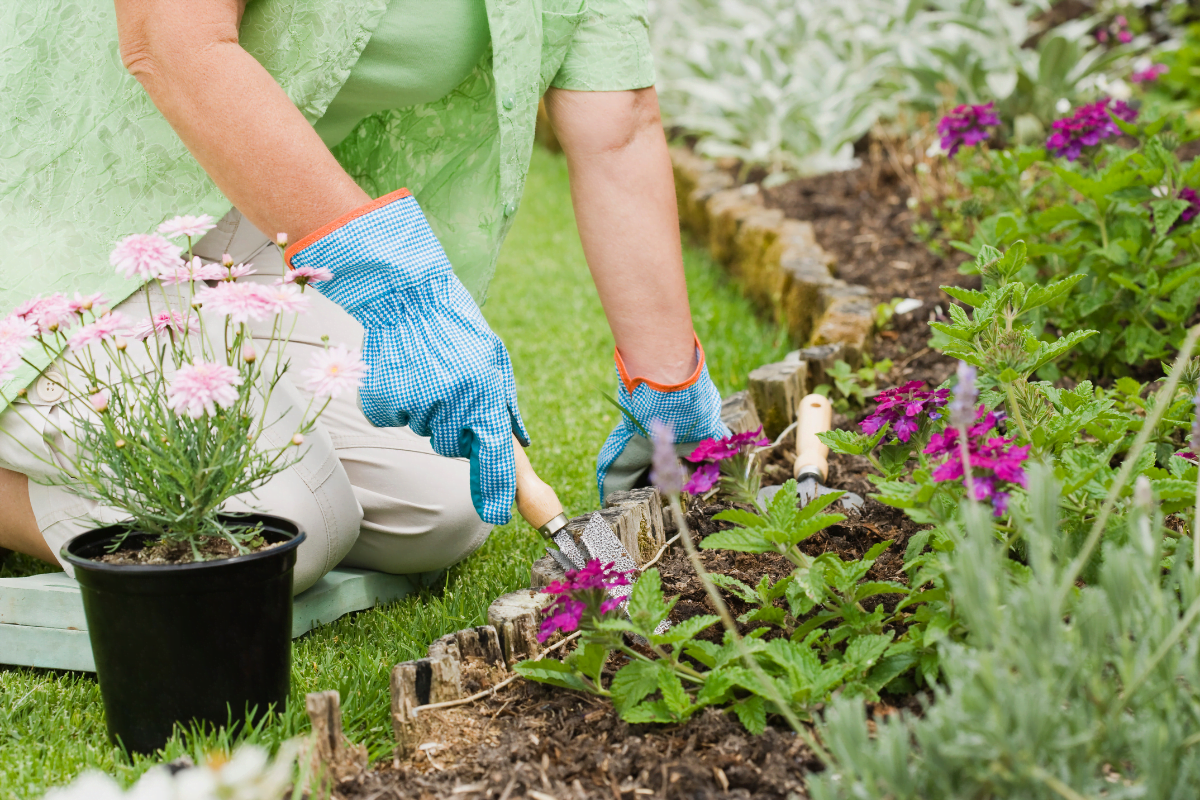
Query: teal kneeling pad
x: 42, y: 622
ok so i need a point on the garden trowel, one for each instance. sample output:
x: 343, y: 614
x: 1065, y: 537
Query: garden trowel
x: 540, y: 507
x: 814, y: 415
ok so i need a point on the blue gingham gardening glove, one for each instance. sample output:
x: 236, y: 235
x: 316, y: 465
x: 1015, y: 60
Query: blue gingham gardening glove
x: 693, y: 408
x: 434, y: 364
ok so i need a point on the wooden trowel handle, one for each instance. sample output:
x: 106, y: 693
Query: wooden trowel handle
x: 814, y: 415
x: 536, y: 501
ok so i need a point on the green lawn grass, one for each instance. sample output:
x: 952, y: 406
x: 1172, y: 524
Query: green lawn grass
x: 545, y: 308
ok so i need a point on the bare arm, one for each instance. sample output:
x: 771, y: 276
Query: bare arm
x: 232, y: 115
x: 624, y: 197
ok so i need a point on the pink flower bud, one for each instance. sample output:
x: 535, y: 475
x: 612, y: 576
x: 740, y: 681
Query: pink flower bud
x: 248, y: 354
x: 226, y: 260
x: 281, y: 239
x: 99, y: 401
x: 297, y: 440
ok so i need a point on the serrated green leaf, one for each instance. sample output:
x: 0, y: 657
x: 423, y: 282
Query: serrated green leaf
x: 889, y: 668
x: 969, y: 297
x: 1166, y: 213
x: 654, y: 711
x: 683, y: 631
x: 632, y: 683
x: 863, y: 651
x: 752, y: 713
x: 872, y: 588
x: 739, y: 516
x: 734, y: 585
x: 555, y: 673
x: 647, y: 608
x: 742, y: 540
x: 772, y: 615
x: 673, y: 693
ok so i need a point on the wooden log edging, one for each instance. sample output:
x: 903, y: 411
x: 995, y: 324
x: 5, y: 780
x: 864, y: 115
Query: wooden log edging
x: 778, y: 261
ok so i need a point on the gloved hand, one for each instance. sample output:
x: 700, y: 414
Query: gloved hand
x: 692, y: 407
x: 434, y: 364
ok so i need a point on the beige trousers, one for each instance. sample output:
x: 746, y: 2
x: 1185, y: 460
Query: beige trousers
x: 375, y: 498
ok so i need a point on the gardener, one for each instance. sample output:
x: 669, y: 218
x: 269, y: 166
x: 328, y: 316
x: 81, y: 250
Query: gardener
x: 298, y: 112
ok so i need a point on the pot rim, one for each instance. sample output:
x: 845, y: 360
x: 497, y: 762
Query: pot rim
x: 288, y: 528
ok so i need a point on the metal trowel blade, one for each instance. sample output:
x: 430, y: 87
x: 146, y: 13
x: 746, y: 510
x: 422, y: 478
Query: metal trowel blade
x: 806, y: 490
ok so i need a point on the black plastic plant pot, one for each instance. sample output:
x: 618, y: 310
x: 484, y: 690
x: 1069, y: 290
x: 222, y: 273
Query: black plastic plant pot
x: 208, y: 642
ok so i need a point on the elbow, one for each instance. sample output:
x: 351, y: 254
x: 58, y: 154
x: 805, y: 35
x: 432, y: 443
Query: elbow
x: 639, y: 116
x: 162, y: 51
x: 599, y: 124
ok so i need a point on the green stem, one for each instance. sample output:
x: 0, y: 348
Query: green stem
x: 731, y: 628
x: 1016, y: 411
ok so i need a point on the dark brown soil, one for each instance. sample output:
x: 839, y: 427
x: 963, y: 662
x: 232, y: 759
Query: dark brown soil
x: 533, y: 741
x: 211, y: 548
x: 862, y: 218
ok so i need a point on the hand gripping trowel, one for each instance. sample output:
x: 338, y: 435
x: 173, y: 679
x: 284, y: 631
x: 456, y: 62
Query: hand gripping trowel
x: 814, y: 415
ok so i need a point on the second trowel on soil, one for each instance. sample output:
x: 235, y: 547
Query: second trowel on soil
x: 815, y: 415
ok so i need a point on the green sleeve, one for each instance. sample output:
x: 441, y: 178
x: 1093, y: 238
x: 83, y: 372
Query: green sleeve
x: 610, y: 50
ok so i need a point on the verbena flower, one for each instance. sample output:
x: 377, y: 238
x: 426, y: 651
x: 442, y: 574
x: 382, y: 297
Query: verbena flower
x: 334, y: 371
x: 47, y: 313
x: 164, y: 322
x: 582, y: 597
x: 962, y: 407
x: 996, y: 465
x: 966, y: 125
x: 284, y: 299
x: 1149, y: 74
x: 902, y: 407
x: 146, y: 256
x: 307, y: 275
x: 1193, y: 199
x: 709, y: 453
x: 199, y: 389
x: 187, y: 225
x: 241, y: 302
x: 1089, y: 125
x: 665, y: 470
x: 107, y: 327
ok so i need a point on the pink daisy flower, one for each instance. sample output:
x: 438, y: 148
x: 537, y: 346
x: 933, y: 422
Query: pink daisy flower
x: 307, y: 275
x: 187, y: 225
x: 285, y: 299
x: 163, y: 322
x: 199, y: 389
x: 146, y: 256
x: 9, y: 361
x: 16, y: 334
x: 48, y: 313
x: 191, y: 271
x: 110, y: 325
x: 87, y: 302
x: 235, y: 271
x: 334, y: 371
x: 240, y: 302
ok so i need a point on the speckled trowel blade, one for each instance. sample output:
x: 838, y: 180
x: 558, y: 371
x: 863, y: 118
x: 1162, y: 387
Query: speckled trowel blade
x: 602, y: 543
x: 569, y: 555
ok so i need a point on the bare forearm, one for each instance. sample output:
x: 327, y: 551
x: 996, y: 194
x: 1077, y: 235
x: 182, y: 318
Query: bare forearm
x: 234, y: 118
x: 624, y: 197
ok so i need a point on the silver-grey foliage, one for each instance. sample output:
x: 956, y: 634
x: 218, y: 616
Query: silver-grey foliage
x: 1091, y: 692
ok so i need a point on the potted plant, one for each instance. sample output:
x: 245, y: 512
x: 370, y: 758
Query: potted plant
x: 189, y: 608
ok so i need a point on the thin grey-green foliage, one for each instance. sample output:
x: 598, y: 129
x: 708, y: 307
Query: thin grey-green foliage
x: 1050, y: 695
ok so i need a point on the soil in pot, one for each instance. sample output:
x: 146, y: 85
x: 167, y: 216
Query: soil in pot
x: 206, y: 642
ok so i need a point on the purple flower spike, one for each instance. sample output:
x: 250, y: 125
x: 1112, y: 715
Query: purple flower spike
x: 962, y: 407
x: 665, y: 470
x: 1090, y: 125
x: 966, y: 125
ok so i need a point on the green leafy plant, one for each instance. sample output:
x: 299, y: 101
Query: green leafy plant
x: 1122, y: 223
x: 851, y: 387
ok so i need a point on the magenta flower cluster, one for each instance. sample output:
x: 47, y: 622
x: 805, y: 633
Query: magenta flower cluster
x: 1149, y: 74
x: 903, y: 407
x: 711, y: 452
x: 966, y: 125
x: 1193, y: 199
x: 583, y: 595
x: 1119, y: 29
x: 996, y: 465
x: 1089, y: 125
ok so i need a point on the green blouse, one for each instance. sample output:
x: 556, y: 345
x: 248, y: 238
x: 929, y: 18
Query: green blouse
x: 85, y: 158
